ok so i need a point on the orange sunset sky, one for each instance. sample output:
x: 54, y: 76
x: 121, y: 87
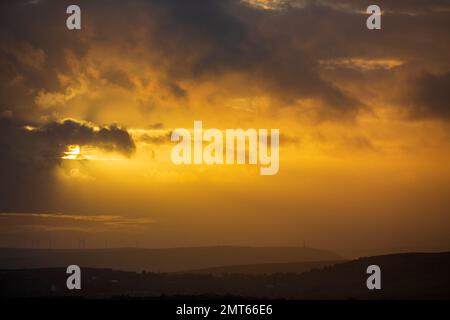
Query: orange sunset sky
x: 364, y: 116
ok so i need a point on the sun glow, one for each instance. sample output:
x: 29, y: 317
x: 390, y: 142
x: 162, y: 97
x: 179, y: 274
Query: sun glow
x: 72, y: 152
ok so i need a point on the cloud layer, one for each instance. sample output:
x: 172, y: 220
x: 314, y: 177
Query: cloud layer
x: 161, y: 61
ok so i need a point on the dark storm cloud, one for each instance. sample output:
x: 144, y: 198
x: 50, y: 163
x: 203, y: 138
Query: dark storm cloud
x: 219, y: 37
x: 414, y: 33
x: 196, y: 40
x: 72, y: 132
x: 26, y: 29
x: 278, y: 51
x: 47, y: 143
x: 28, y: 155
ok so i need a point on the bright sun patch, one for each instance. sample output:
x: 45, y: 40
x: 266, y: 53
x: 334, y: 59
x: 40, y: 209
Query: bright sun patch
x: 72, y: 152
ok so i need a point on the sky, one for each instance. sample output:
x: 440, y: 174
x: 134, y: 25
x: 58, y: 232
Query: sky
x: 364, y: 117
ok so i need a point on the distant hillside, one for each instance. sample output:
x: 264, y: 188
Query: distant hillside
x: 403, y: 276
x: 265, y: 268
x: 159, y: 260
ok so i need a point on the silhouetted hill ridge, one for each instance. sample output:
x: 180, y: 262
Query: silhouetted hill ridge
x: 159, y: 260
x: 265, y: 268
x: 403, y: 276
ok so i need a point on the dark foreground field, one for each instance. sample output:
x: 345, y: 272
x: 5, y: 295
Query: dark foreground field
x: 404, y: 276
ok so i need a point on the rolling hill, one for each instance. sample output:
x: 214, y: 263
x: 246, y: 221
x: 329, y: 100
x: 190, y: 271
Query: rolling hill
x: 403, y: 276
x: 265, y: 268
x: 159, y: 260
